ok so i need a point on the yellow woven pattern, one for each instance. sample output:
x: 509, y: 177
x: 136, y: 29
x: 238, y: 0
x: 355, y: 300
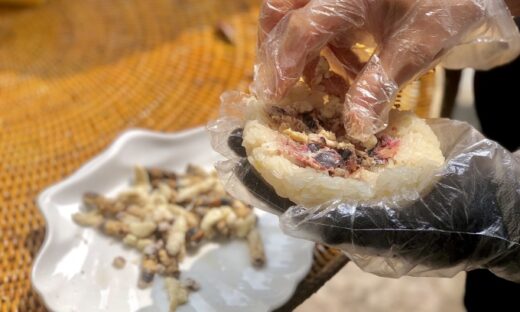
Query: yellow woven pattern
x: 75, y: 73
x: 21, y: 2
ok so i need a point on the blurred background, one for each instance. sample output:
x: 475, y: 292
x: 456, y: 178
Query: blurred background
x: 76, y: 73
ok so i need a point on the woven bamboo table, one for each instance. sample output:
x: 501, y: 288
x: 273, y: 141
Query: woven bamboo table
x: 75, y: 74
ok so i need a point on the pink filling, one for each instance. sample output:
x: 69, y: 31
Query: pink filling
x: 339, y: 162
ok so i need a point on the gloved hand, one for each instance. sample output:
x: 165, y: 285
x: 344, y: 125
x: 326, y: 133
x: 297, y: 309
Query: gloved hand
x: 471, y: 218
x: 409, y: 37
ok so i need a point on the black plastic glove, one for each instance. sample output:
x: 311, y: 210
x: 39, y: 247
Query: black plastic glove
x: 470, y: 219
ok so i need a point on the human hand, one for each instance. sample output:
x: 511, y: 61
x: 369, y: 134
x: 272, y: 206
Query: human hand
x: 468, y: 220
x: 409, y: 37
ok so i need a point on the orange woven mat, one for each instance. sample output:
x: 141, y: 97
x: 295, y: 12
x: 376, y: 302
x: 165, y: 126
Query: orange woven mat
x: 76, y: 73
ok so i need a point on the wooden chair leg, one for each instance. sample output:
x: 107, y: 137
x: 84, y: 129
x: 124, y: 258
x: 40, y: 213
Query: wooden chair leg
x: 327, y: 262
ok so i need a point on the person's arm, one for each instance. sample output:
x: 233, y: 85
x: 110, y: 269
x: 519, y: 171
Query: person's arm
x: 514, y: 7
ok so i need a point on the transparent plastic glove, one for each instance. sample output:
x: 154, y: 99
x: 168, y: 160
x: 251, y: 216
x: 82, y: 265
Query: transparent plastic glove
x: 470, y: 219
x: 409, y: 37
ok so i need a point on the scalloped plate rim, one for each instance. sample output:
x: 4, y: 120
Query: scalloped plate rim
x: 111, y: 150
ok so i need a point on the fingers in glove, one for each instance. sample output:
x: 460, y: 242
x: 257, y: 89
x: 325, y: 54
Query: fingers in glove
x: 296, y: 40
x: 369, y: 100
x: 235, y: 140
x: 271, y: 12
x: 259, y: 188
x: 428, y: 231
x: 397, y: 61
x: 348, y: 60
x: 403, y: 54
x: 324, y: 79
x: 252, y: 179
x: 381, y: 232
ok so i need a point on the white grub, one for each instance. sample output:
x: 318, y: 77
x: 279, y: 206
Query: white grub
x: 119, y: 262
x: 127, y: 218
x: 185, y: 181
x: 212, y: 217
x: 296, y: 136
x: 130, y: 240
x: 222, y: 227
x: 189, y: 192
x: 191, y: 218
x: 241, y: 209
x: 142, y: 229
x: 328, y: 135
x: 139, y: 212
x: 162, y: 214
x: 91, y: 218
x: 176, y: 292
x: 256, y: 248
x: 169, y: 264
x: 219, y: 190
x: 114, y: 228
x: 157, y: 198
x: 134, y: 196
x: 143, y: 243
x: 180, y: 225
x: 166, y: 191
x: 198, y: 171
x: 230, y: 216
x: 141, y: 177
x: 101, y: 204
x: 175, y: 242
x: 242, y: 226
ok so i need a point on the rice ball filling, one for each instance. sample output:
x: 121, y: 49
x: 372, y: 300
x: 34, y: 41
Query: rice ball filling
x: 312, y: 140
x: 299, y: 146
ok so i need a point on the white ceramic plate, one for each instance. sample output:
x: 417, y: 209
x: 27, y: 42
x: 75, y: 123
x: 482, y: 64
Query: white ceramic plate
x: 73, y: 270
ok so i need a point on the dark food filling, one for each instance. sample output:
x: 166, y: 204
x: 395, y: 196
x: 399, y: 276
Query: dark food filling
x: 320, y: 143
